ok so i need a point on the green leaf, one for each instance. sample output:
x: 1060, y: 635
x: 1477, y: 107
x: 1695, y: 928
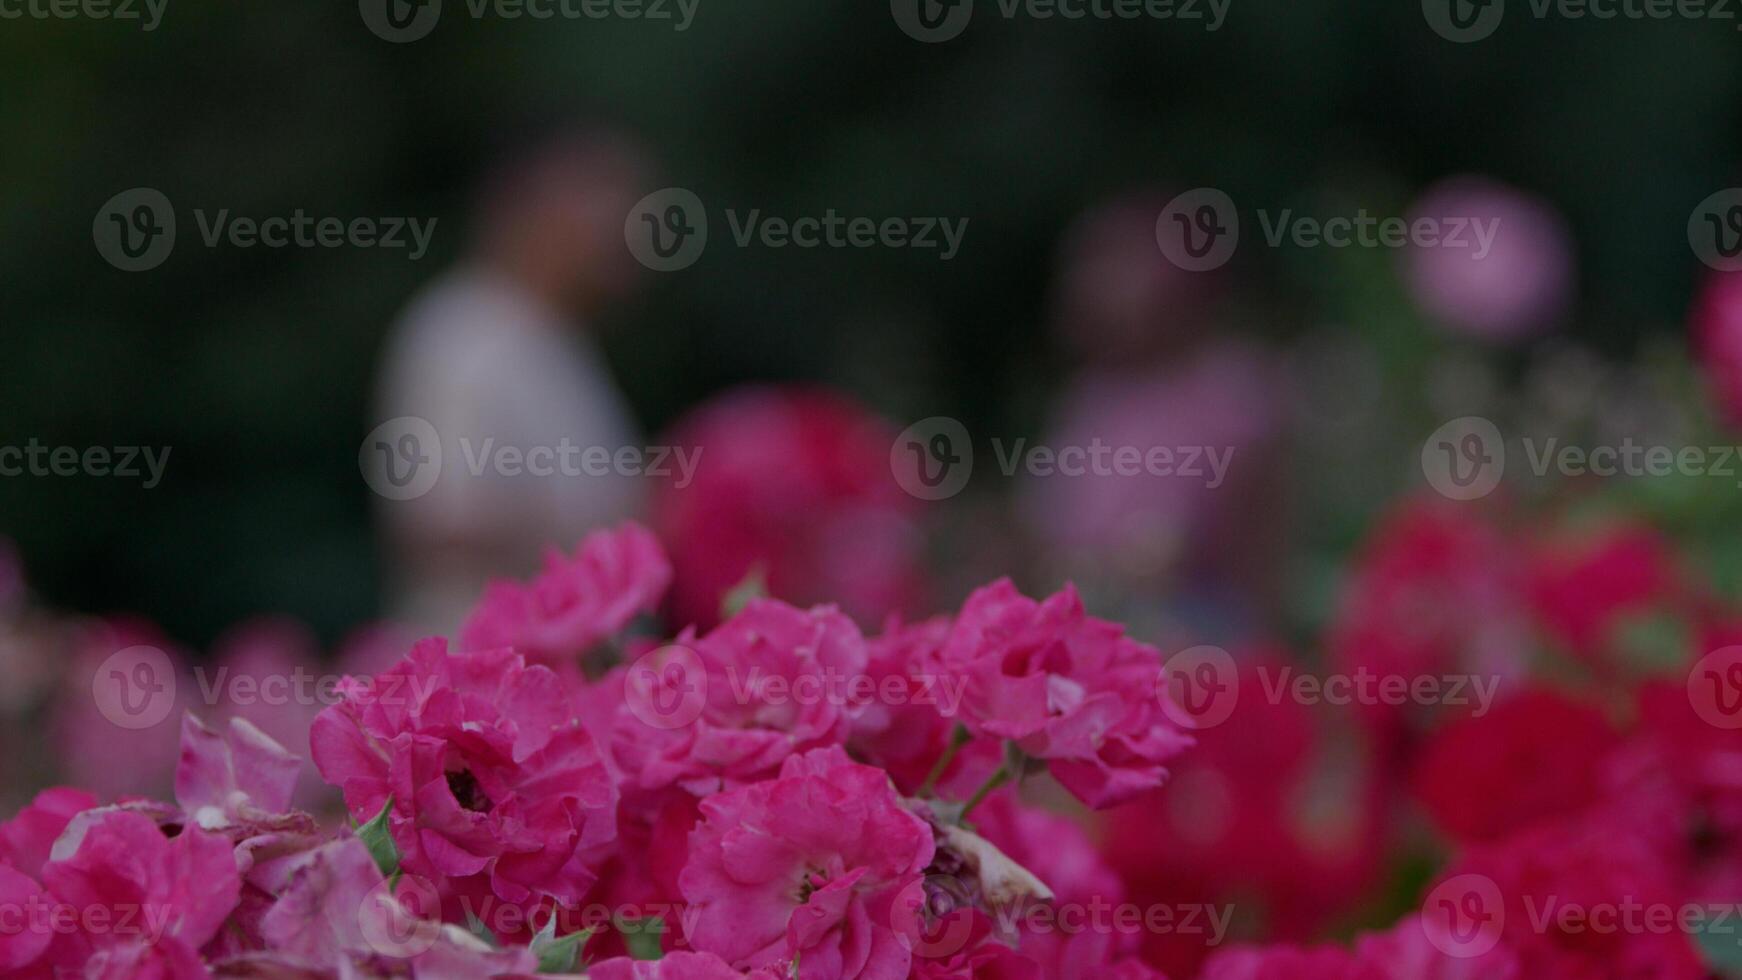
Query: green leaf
x: 558, y: 954
x: 375, y: 837
x: 1723, y: 951
x: 753, y: 586
x: 642, y: 937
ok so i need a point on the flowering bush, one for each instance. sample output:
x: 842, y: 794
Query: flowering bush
x: 1538, y: 774
x: 775, y: 797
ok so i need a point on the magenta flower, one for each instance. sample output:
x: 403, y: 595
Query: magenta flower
x: 674, y: 966
x: 770, y: 682
x: 1065, y: 687
x: 27, y: 839
x: 615, y: 575
x: 160, y: 899
x: 814, y: 866
x: 489, y: 772
x: 1519, y: 284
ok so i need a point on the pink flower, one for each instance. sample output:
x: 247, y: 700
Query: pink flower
x: 793, y: 483
x: 115, y: 731
x: 815, y: 865
x: 1065, y: 687
x: 901, y: 727
x: 770, y: 682
x: 1598, y: 869
x: 1274, y: 771
x: 1584, y: 586
x: 1515, y: 286
x: 1535, y: 756
x: 1286, y: 963
x: 25, y: 840
x: 1716, y: 325
x: 163, y: 898
x: 615, y: 575
x: 335, y: 912
x: 678, y: 965
x: 489, y: 772
x: 1435, y: 590
x: 267, y: 671
x: 1407, y: 953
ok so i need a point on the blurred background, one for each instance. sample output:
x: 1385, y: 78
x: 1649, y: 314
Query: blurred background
x: 256, y: 365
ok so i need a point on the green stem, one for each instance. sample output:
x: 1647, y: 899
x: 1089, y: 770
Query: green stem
x: 958, y: 738
x: 997, y: 779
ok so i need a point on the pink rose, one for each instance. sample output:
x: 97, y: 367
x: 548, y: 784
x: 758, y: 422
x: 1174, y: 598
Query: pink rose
x: 489, y: 772
x: 792, y: 483
x: 674, y: 966
x: 1065, y: 687
x: 814, y: 866
x: 770, y: 682
x: 162, y: 898
x: 25, y: 840
x: 615, y: 575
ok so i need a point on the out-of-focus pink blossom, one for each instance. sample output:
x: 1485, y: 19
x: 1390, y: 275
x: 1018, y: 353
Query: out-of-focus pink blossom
x: 1535, y: 756
x: 1716, y: 324
x: 789, y: 483
x: 615, y: 575
x: 1516, y: 286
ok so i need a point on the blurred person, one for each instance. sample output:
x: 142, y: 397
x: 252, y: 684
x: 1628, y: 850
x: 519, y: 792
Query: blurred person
x: 1153, y: 375
x: 499, y: 355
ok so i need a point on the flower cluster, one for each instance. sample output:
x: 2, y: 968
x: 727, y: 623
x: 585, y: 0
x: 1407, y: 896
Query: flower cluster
x: 1584, y: 821
x: 777, y: 796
